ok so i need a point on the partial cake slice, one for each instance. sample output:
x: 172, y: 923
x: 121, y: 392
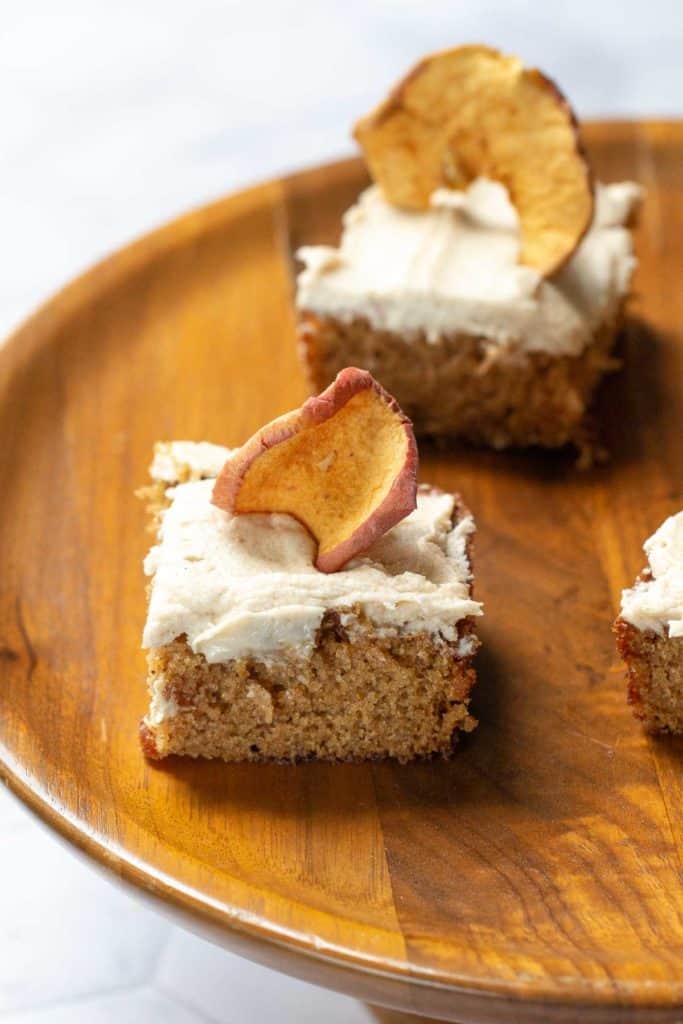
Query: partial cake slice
x: 255, y: 653
x: 489, y: 309
x: 650, y: 632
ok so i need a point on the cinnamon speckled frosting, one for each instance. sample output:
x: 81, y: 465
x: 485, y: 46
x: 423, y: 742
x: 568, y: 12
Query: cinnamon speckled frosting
x: 246, y: 586
x: 453, y: 269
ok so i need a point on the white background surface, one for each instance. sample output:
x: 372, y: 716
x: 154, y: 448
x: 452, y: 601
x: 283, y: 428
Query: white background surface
x: 115, y: 116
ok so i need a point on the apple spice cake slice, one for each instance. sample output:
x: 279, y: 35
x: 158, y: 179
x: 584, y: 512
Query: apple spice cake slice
x: 649, y: 632
x: 255, y: 652
x: 482, y: 277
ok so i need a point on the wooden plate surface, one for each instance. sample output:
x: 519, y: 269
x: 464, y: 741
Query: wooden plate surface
x: 535, y: 877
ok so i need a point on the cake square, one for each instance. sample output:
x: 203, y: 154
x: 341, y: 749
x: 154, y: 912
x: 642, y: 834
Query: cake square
x: 256, y: 655
x: 471, y: 343
x: 649, y: 632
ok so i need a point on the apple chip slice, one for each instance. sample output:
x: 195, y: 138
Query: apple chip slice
x: 344, y: 464
x: 473, y: 112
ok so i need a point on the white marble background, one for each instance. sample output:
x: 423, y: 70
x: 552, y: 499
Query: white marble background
x: 115, y: 116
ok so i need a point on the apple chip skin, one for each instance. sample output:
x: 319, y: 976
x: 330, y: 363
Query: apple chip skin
x: 472, y: 112
x: 344, y: 464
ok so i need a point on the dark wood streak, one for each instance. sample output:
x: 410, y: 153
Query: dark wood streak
x: 31, y: 656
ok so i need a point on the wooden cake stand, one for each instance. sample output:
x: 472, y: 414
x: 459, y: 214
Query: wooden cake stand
x: 535, y: 877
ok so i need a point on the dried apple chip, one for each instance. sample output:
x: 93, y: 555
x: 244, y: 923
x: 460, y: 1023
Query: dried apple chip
x: 344, y: 464
x: 472, y: 112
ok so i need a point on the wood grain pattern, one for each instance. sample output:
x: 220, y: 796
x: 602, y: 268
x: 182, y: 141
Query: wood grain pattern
x: 536, y: 877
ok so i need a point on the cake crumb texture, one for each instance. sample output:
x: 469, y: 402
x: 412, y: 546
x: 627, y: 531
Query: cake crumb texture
x: 655, y: 676
x: 464, y: 386
x: 401, y: 697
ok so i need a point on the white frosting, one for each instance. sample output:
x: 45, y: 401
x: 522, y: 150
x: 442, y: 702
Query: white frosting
x: 657, y: 603
x: 161, y: 707
x: 246, y: 586
x: 454, y: 269
x: 180, y: 460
